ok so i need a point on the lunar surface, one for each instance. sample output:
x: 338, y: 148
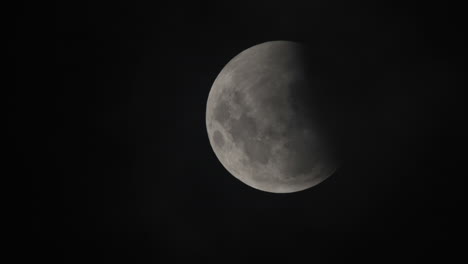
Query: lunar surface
x: 260, y: 123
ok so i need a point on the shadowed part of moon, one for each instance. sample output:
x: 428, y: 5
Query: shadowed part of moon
x: 259, y: 122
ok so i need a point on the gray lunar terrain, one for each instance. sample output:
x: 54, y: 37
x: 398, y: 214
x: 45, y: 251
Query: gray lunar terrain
x: 260, y: 125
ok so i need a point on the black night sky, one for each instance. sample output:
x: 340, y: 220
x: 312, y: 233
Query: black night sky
x: 107, y: 126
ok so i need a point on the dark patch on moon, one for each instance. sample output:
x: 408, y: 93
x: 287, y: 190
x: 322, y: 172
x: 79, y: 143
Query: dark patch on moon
x: 238, y: 98
x: 221, y: 112
x: 301, y: 156
x: 257, y: 151
x: 218, y: 139
x: 243, y: 128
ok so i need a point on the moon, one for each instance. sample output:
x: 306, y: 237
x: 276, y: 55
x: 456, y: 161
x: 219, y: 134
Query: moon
x: 261, y: 125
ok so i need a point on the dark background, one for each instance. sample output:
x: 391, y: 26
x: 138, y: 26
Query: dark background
x: 107, y: 127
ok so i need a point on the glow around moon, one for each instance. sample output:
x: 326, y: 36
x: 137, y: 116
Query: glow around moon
x: 260, y: 125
